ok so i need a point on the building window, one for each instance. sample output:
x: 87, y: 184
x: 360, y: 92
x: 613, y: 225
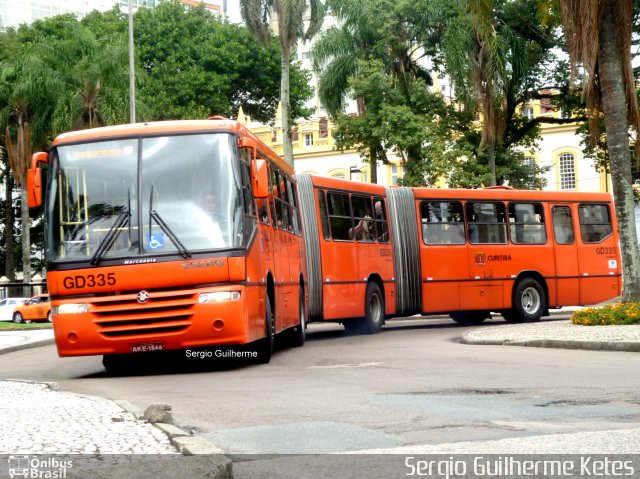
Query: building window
x: 563, y: 113
x: 308, y: 139
x: 306, y: 55
x: 394, y: 175
x: 339, y: 173
x: 567, y: 172
x: 529, y: 161
x: 528, y: 113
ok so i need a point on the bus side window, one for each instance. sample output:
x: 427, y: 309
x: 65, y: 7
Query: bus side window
x: 380, y: 217
x: 486, y: 223
x: 276, y: 213
x: 263, y: 210
x: 249, y: 205
x: 363, y: 219
x: 595, y: 223
x: 563, y: 225
x: 340, y: 216
x: 442, y: 222
x: 526, y: 223
x: 324, y: 216
x: 293, y: 207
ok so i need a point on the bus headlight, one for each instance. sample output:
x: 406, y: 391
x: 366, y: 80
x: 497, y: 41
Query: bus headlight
x: 70, y: 308
x: 219, y: 296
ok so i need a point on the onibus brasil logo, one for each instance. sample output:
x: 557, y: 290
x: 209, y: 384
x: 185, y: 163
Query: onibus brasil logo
x: 41, y: 468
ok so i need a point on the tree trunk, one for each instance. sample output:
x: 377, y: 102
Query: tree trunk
x: 491, y: 152
x: 285, y: 104
x: 373, y: 166
x: 26, y: 243
x: 9, y: 262
x: 614, y: 107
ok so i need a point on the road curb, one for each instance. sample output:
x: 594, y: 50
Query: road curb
x: 20, y: 346
x: 632, y: 347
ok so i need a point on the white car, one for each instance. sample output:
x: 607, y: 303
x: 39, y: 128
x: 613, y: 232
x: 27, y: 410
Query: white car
x: 8, y: 305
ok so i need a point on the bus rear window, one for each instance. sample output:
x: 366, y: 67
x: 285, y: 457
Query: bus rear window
x: 595, y: 223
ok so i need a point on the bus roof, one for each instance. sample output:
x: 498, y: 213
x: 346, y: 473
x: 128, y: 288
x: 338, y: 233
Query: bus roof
x: 347, y: 185
x: 509, y: 195
x: 214, y: 124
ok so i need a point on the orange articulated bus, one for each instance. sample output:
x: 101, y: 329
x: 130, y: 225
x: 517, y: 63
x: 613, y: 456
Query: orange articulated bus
x: 460, y: 252
x: 170, y: 235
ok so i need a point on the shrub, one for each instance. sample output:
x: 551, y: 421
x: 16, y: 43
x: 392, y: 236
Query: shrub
x: 622, y: 313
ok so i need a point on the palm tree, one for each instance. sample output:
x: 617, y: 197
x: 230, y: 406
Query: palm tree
x: 598, y: 35
x: 290, y: 17
x: 27, y: 96
x: 93, y: 79
x: 475, y: 61
x: 367, y: 31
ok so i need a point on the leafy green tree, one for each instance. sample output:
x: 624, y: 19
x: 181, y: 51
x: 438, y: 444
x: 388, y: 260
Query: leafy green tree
x: 599, y: 36
x: 290, y: 18
x: 196, y: 65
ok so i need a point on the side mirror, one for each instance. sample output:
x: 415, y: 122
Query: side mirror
x: 260, y: 178
x: 34, y: 179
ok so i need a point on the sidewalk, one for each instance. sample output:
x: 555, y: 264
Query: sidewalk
x: 93, y: 437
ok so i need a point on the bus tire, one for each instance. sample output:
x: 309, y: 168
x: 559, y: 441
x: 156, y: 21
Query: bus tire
x: 265, y: 345
x: 469, y: 318
x: 298, y: 334
x: 116, y: 363
x: 373, y: 309
x: 529, y: 301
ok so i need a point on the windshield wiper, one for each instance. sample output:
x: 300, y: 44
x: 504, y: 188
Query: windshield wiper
x: 153, y: 214
x: 112, y: 234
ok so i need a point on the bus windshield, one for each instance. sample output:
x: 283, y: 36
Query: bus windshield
x: 147, y: 196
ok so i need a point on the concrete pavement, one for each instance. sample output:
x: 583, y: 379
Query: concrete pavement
x: 95, y: 427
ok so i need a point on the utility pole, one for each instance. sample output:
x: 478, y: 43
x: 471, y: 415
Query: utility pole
x: 132, y: 73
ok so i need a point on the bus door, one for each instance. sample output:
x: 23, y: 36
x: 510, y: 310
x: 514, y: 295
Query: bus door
x: 443, y: 254
x: 343, y: 289
x: 282, y: 273
x: 490, y: 260
x: 598, y: 255
x: 565, y: 255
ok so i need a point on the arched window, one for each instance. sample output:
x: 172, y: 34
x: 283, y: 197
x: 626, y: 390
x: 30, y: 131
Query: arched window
x: 339, y: 173
x: 567, y: 167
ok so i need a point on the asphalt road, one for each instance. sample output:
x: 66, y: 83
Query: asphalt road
x: 412, y: 384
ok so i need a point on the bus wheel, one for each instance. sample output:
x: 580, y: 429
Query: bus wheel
x: 298, y: 335
x: 469, y: 318
x: 373, y: 309
x: 529, y: 301
x: 265, y: 345
x: 116, y: 363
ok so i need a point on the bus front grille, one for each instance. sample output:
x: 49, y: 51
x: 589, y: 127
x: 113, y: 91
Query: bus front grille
x: 163, y: 313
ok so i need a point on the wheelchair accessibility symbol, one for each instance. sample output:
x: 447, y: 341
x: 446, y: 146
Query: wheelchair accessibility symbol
x: 155, y: 241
